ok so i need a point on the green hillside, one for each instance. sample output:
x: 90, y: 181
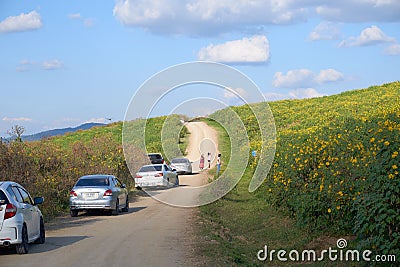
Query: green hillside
x: 50, y: 167
x: 335, y: 174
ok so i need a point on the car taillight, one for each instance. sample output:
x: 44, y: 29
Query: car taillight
x: 108, y: 192
x: 72, y: 194
x: 138, y: 176
x: 158, y: 174
x: 10, y: 212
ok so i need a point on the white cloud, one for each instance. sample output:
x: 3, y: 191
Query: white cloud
x: 328, y: 75
x: 23, y: 119
x: 23, y: 22
x: 52, y: 64
x: 303, y: 78
x: 247, y: 50
x: 235, y: 93
x: 75, y: 16
x: 87, y: 22
x: 358, y: 10
x: 294, y: 78
x: 98, y: 120
x: 272, y: 96
x: 299, y: 93
x: 369, y: 36
x: 325, y: 31
x: 25, y: 65
x: 199, y: 17
x: 304, y: 93
x: 393, y: 50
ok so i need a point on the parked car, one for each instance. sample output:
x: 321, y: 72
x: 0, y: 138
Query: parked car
x: 182, y: 165
x: 98, y: 192
x: 156, y: 158
x: 21, y: 221
x: 156, y: 175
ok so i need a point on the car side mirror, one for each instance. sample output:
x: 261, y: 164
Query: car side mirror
x: 38, y: 200
x: 123, y: 186
x: 174, y: 170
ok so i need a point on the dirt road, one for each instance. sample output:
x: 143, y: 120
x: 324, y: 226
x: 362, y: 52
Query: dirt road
x: 150, y: 234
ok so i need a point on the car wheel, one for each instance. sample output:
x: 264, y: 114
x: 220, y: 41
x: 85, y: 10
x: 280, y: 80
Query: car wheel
x: 42, y: 236
x: 74, y: 213
x: 23, y: 247
x: 126, y: 208
x: 116, y: 210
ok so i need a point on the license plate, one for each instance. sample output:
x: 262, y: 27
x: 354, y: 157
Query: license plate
x: 90, y: 195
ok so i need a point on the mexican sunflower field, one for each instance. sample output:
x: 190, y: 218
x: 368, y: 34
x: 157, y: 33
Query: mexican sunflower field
x: 337, y: 163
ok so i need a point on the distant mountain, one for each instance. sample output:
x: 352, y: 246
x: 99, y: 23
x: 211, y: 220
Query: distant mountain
x: 54, y: 132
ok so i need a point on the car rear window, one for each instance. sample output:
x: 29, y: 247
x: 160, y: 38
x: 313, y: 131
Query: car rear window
x: 93, y: 182
x: 179, y: 161
x: 155, y: 156
x: 3, y: 198
x: 151, y: 168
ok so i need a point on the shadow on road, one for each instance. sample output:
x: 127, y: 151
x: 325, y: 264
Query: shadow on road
x: 136, y: 209
x: 52, y: 243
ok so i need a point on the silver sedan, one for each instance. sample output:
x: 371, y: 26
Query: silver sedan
x: 98, y: 192
x: 182, y: 165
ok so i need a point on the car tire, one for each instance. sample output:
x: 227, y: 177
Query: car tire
x: 74, y: 213
x: 126, y: 208
x: 42, y: 235
x: 116, y: 210
x: 23, y: 248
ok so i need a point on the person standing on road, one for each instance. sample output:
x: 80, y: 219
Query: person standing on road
x: 209, y: 159
x: 218, y: 164
x: 201, y: 165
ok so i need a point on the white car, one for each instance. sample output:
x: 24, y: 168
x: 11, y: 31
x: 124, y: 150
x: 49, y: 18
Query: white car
x: 21, y: 221
x: 156, y: 175
x: 182, y: 165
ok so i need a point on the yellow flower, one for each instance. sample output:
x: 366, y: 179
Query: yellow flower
x: 321, y: 187
x: 329, y: 210
x: 338, y: 207
x: 387, y: 143
x: 372, y: 140
x: 395, y: 154
x: 394, y: 167
x: 391, y: 176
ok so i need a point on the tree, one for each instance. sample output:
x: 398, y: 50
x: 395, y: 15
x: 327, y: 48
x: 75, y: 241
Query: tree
x: 16, y: 131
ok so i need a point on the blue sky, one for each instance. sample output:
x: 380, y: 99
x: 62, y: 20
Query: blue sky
x: 64, y: 63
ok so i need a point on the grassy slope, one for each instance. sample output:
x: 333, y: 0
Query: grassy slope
x: 237, y: 226
x: 240, y: 224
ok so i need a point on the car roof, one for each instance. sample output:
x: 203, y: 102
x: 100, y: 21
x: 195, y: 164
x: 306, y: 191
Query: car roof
x: 153, y: 165
x: 154, y: 154
x: 5, y: 184
x: 97, y: 176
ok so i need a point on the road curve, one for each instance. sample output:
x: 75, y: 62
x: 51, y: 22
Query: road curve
x: 150, y: 234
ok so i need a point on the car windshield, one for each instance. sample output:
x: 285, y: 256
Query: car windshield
x: 179, y: 161
x: 154, y: 156
x: 93, y: 182
x: 156, y: 168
